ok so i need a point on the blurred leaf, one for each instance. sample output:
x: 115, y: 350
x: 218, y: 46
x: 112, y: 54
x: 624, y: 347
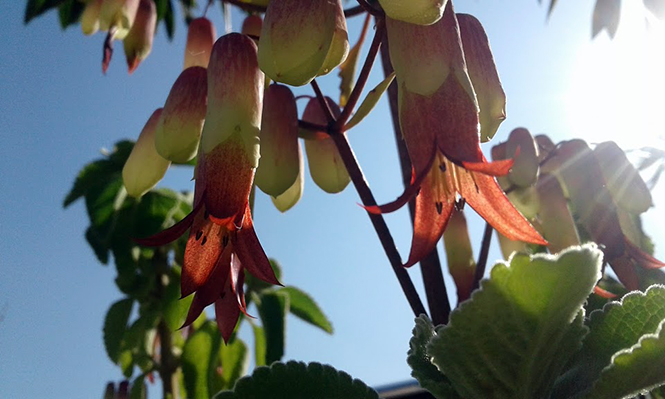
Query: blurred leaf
x: 126, y: 363
x: 606, y: 15
x: 618, y: 326
x: 115, y: 325
x: 635, y: 369
x: 91, y: 175
x: 513, y: 337
x: 420, y: 361
x: 169, y: 21
x: 175, y: 309
x: 139, y: 390
x: 273, y: 307
x: 196, y: 360
x: 299, y: 380
x: 97, y: 244
x: 35, y: 8
x: 259, y: 345
x: 258, y: 285
x: 234, y: 362
x: 69, y: 12
x: 159, y: 209
x: 305, y: 308
x: 370, y: 101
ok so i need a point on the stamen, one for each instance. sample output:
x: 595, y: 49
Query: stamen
x: 459, y: 204
x: 199, y: 234
x: 442, y: 166
x: 205, y: 239
x: 439, y: 207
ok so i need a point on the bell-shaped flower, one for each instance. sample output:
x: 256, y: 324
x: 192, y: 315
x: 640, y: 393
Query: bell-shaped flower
x: 483, y: 74
x: 90, y: 17
x: 419, y: 12
x: 222, y: 244
x: 179, y: 130
x: 579, y: 173
x: 279, y: 165
x: 325, y: 163
x: 145, y: 167
x: 252, y: 26
x: 201, y: 36
x: 138, y: 42
x: 302, y: 39
x: 118, y: 16
x: 439, y: 121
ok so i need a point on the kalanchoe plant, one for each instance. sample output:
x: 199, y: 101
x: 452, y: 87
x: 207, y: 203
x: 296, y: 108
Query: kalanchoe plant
x: 539, y: 327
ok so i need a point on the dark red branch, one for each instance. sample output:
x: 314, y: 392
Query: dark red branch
x: 482, y: 257
x: 364, y: 74
x: 324, y: 104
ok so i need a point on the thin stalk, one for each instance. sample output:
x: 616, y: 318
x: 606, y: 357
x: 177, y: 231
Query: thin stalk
x: 364, y: 74
x: 324, y: 104
x: 430, y: 266
x: 168, y: 364
x: 482, y: 257
x: 380, y: 226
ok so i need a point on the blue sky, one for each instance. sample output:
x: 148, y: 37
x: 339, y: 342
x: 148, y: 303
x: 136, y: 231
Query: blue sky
x: 58, y: 110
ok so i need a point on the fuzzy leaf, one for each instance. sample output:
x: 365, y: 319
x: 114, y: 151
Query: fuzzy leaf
x: 618, y: 326
x: 634, y: 370
x: 295, y: 380
x: 370, y: 101
x: 273, y: 307
x: 115, y: 325
x: 513, y: 337
x: 420, y: 361
x: 305, y: 308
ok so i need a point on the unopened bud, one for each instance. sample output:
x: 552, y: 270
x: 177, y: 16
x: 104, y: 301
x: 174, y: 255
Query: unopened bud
x: 90, y: 17
x: 280, y: 151
x: 145, y: 167
x: 181, y: 123
x: 459, y: 254
x: 302, y: 39
x: 118, y: 15
x: 252, y: 26
x: 557, y: 223
x: 483, y: 74
x: 419, y: 12
x: 201, y: 36
x: 292, y: 195
x: 325, y: 163
x: 138, y: 42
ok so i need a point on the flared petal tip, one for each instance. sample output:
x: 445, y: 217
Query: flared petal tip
x: 603, y: 293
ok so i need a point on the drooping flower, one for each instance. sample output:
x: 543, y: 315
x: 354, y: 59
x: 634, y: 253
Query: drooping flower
x: 440, y: 124
x: 179, y: 130
x: 138, y: 42
x: 145, y: 167
x: 302, y: 39
x: 222, y: 244
x: 201, y: 36
x: 118, y: 16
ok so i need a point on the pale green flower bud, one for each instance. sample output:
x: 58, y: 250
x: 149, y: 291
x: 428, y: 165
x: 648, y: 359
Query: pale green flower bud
x: 145, y: 167
x: 201, y: 36
x: 419, y: 12
x: 90, y: 17
x: 138, y: 42
x: 118, y: 15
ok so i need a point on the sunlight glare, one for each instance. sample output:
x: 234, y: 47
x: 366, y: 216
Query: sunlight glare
x: 617, y: 86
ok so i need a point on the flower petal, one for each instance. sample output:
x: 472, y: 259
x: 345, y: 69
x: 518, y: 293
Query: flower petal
x: 430, y: 220
x: 227, y: 312
x: 625, y: 271
x: 212, y: 289
x: 484, y: 195
x: 403, y: 199
x: 172, y: 233
x: 250, y: 253
x: 642, y: 258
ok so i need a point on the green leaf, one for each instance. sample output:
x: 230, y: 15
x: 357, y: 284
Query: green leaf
x: 370, y: 101
x: 234, y: 362
x: 618, y: 326
x: 126, y: 363
x: 90, y: 176
x: 139, y: 390
x: 305, y: 308
x: 115, y: 326
x: 159, y: 209
x: 97, y: 244
x: 259, y: 345
x: 273, y: 307
x: 169, y: 21
x: 196, y: 360
x: 513, y: 337
x: 35, y: 8
x: 420, y: 361
x: 297, y: 380
x: 69, y: 12
x: 347, y: 72
x: 634, y: 370
x: 175, y: 309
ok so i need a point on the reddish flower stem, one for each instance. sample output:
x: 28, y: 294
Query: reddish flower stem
x: 482, y: 257
x: 364, y: 74
x: 430, y: 266
x: 324, y: 104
